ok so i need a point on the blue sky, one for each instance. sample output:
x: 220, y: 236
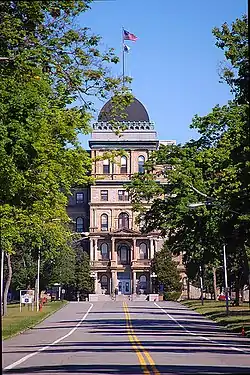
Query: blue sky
x: 174, y: 63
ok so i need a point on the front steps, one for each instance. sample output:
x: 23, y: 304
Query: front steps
x: 119, y: 297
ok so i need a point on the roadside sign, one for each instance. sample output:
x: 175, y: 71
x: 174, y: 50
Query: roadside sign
x: 27, y: 298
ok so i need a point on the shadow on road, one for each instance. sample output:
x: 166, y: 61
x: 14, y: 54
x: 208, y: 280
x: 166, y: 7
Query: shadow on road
x: 126, y: 369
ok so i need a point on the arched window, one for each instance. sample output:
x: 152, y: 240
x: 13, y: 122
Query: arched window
x: 141, y: 161
x: 104, y: 222
x: 104, y: 251
x: 106, y: 166
x: 104, y: 283
x: 123, y: 164
x: 143, y: 251
x: 123, y: 220
x: 123, y: 254
x: 79, y: 224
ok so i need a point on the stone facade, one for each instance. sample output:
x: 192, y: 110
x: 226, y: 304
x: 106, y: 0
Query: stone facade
x: 120, y: 254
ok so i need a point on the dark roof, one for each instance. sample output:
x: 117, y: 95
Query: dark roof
x: 135, y: 112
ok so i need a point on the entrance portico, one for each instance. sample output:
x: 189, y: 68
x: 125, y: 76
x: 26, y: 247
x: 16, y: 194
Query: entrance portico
x: 124, y: 282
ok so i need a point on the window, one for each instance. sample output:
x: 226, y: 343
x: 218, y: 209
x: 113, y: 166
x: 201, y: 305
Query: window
x: 104, y: 222
x: 104, y: 195
x: 143, y: 251
x: 123, y: 220
x: 123, y: 164
x: 79, y: 198
x: 122, y: 195
x: 106, y: 167
x: 141, y: 161
x: 79, y: 224
x: 123, y: 254
x: 104, y: 283
x: 104, y: 251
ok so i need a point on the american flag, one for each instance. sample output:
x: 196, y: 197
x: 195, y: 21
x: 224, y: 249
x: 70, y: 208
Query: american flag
x: 128, y: 36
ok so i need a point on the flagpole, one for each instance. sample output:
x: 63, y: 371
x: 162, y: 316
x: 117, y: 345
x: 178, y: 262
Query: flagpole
x: 123, y: 57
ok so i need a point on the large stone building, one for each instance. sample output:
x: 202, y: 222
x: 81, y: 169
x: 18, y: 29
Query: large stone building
x: 120, y: 254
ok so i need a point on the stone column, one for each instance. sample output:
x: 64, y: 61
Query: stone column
x: 94, y: 219
x: 114, y: 281
x: 91, y: 253
x: 96, y: 249
x: 96, y: 283
x: 150, y: 284
x: 151, y: 249
x: 113, y: 252
x: 134, y: 282
x: 135, y: 255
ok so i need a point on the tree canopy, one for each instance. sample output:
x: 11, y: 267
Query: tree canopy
x: 51, y: 71
x: 213, y: 170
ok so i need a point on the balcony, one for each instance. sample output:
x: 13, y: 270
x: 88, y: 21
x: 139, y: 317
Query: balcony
x: 141, y: 263
x: 100, y: 264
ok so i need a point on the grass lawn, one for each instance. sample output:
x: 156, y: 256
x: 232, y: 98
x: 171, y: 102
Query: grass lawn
x: 16, y: 321
x: 239, y: 316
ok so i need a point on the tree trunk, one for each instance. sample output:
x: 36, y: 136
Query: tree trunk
x: 215, y: 283
x: 242, y: 294
x: 188, y: 289
x: 237, y: 292
x: 7, y: 285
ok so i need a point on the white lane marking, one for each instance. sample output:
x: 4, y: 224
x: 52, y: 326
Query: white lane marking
x: 10, y: 367
x: 202, y: 337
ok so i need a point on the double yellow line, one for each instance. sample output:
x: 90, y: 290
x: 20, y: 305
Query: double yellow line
x: 146, y: 361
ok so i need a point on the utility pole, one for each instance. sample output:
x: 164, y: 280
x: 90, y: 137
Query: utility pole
x: 38, y: 279
x: 225, y: 272
x: 215, y: 282
x: 201, y: 284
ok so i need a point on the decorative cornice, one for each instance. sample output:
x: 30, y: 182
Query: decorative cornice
x: 145, y: 145
x: 125, y: 125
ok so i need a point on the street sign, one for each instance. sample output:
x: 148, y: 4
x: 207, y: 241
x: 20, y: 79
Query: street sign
x: 27, y: 298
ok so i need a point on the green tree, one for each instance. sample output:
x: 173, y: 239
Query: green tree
x: 216, y: 164
x: 84, y: 281
x: 47, y: 62
x: 167, y: 273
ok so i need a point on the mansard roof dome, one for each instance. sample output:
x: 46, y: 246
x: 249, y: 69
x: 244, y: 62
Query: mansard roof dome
x: 135, y: 112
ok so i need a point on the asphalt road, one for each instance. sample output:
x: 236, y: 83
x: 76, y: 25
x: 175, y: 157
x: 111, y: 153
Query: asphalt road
x: 126, y: 338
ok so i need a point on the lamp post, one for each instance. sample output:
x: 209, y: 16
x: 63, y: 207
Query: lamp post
x: 38, y: 279
x: 153, y: 277
x: 2, y: 264
x: 201, y: 284
x: 225, y: 272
